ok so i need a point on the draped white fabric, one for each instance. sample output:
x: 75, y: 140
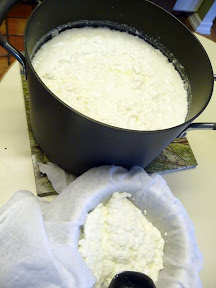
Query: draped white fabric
x: 39, y: 240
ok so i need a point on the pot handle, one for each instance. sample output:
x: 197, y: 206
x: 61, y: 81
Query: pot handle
x: 198, y: 126
x: 5, y: 5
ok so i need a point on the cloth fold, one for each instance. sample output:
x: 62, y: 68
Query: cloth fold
x: 39, y: 240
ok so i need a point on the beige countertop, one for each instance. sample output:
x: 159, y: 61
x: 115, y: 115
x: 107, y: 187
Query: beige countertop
x: 195, y: 188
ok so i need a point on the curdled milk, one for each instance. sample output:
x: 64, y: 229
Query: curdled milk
x: 113, y: 77
x: 118, y: 237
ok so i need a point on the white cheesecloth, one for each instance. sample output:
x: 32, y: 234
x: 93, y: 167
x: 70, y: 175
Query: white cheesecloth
x: 39, y: 240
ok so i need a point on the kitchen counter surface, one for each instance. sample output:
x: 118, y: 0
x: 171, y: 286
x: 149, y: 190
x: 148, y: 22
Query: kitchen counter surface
x: 195, y: 187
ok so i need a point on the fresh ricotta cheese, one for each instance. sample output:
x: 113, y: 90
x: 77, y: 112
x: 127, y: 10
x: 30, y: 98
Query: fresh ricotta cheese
x: 113, y: 77
x: 117, y: 237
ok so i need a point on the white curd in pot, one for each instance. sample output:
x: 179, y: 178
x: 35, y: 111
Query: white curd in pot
x: 113, y: 77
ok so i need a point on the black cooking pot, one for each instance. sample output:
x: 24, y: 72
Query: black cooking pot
x: 76, y: 142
